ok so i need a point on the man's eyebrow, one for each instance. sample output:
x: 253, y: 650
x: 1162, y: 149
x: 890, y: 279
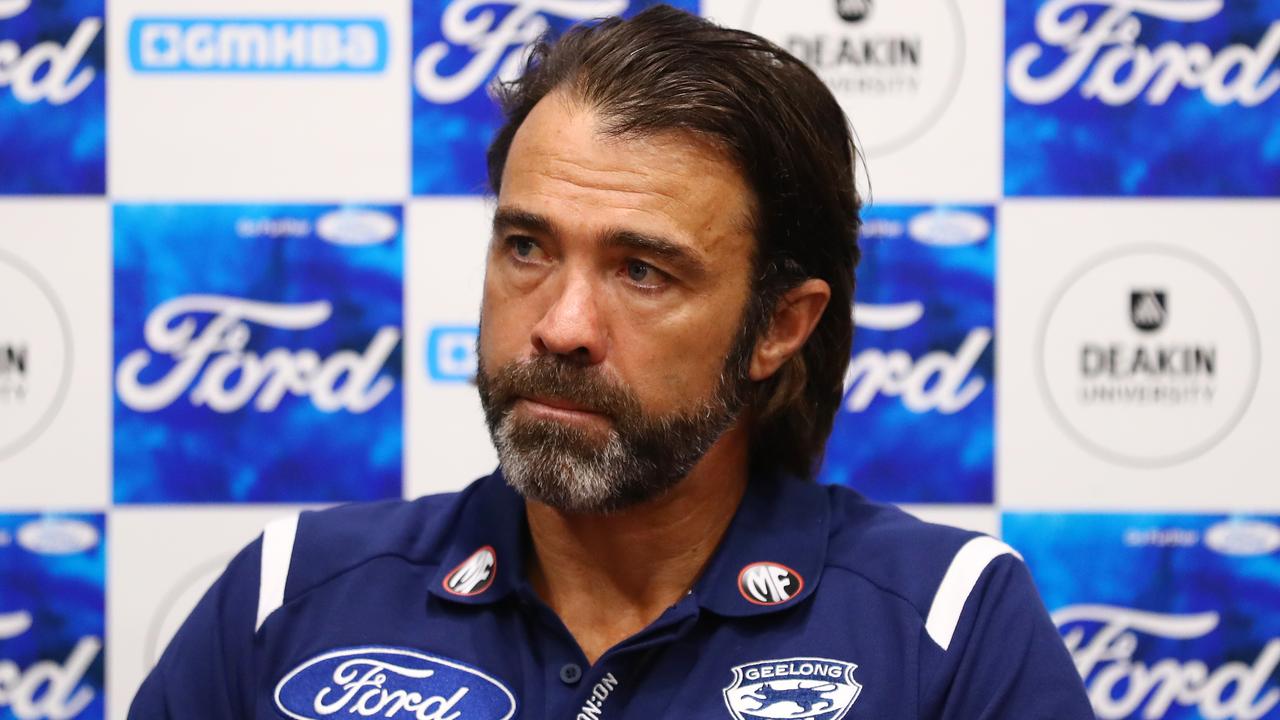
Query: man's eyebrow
x: 673, y: 252
x: 681, y: 257
x: 507, y: 218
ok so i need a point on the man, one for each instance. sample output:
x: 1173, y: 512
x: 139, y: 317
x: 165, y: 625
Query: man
x: 664, y: 333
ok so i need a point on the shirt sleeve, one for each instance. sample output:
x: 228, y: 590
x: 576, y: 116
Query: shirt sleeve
x: 1005, y: 659
x: 206, y: 671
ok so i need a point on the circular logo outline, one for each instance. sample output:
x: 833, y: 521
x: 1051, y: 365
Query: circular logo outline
x: 930, y: 118
x: 493, y: 573
x: 1195, y: 450
x: 64, y: 382
x: 210, y: 569
x: 742, y: 590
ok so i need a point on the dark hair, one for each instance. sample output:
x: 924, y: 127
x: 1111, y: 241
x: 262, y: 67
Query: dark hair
x: 665, y: 70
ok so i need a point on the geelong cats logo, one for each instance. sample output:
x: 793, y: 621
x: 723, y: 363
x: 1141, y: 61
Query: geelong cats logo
x: 802, y: 687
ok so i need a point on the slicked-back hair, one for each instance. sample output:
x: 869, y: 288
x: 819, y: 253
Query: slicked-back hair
x: 666, y: 70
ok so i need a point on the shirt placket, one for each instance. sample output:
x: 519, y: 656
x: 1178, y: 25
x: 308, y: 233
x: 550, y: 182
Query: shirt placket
x: 609, y: 689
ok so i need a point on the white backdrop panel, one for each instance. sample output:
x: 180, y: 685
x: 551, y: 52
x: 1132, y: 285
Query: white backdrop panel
x: 55, y: 413
x: 1137, y: 368
x: 446, y: 444
x: 201, y: 134
x: 921, y: 81
x: 161, y: 563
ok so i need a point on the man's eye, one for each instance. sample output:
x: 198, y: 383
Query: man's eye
x: 645, y: 275
x: 638, y: 271
x: 524, y: 246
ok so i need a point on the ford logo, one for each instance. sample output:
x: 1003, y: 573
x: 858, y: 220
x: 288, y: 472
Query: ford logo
x: 947, y: 227
x: 1244, y: 537
x: 357, y: 226
x: 58, y: 536
x: 392, y: 683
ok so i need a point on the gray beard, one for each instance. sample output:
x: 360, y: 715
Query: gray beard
x: 641, y: 456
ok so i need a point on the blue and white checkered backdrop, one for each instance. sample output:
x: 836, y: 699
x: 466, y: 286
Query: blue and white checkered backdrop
x: 240, y: 256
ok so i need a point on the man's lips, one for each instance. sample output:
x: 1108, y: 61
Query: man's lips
x: 560, y: 405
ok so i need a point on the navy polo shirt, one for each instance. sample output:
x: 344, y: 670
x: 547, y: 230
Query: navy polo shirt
x: 817, y: 604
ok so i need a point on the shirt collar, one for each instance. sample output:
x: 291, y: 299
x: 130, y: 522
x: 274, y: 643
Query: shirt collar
x: 770, y: 558
x: 484, y: 560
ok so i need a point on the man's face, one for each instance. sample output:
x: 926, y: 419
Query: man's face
x: 612, y: 346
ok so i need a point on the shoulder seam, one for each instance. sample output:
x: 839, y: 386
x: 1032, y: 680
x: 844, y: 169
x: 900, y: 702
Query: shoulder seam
x: 269, y: 603
x: 338, y: 572
x: 920, y: 611
x: 879, y: 586
x: 364, y: 561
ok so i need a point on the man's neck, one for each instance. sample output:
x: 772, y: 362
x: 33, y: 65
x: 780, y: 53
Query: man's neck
x: 609, y: 576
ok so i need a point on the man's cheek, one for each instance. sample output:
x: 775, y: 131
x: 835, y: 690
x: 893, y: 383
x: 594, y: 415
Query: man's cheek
x: 501, y: 340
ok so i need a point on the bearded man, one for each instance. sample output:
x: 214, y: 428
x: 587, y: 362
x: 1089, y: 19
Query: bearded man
x: 664, y: 333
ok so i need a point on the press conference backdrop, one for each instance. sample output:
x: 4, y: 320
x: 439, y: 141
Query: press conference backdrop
x: 241, y: 251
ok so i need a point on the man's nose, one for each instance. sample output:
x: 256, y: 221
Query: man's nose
x: 573, y: 325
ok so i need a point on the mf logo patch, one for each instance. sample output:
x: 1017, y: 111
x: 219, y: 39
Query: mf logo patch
x: 793, y: 688
x: 392, y: 683
x: 766, y: 583
x: 474, y: 575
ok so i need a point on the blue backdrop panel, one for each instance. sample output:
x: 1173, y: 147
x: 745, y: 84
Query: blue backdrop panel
x: 917, y: 420
x: 53, y: 99
x: 257, y: 353
x: 52, y: 590
x: 459, y: 46
x: 1168, y: 616
x: 1155, y: 98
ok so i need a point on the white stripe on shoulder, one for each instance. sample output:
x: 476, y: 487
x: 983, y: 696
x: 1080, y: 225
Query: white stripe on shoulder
x: 957, y: 584
x: 277, y: 552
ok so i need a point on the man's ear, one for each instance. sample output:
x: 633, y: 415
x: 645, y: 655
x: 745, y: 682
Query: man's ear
x: 794, y: 318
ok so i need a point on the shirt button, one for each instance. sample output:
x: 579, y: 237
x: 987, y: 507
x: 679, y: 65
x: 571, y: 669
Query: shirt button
x: 570, y: 673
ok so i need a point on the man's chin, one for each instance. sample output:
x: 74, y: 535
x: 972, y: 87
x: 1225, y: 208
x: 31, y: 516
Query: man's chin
x: 565, y: 488
x: 580, y: 477
x: 571, y: 501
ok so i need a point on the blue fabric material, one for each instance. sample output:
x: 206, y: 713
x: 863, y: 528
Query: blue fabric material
x: 842, y: 635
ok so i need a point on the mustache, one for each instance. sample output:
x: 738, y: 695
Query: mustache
x: 551, y: 377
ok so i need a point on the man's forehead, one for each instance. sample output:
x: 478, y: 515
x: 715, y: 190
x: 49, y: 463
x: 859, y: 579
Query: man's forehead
x: 562, y: 121
x: 564, y: 156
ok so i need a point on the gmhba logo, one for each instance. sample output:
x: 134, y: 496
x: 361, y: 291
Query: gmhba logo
x: 257, y: 45
x: 451, y: 353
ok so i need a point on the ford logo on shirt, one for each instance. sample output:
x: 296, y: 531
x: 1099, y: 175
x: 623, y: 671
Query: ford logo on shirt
x: 392, y: 683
